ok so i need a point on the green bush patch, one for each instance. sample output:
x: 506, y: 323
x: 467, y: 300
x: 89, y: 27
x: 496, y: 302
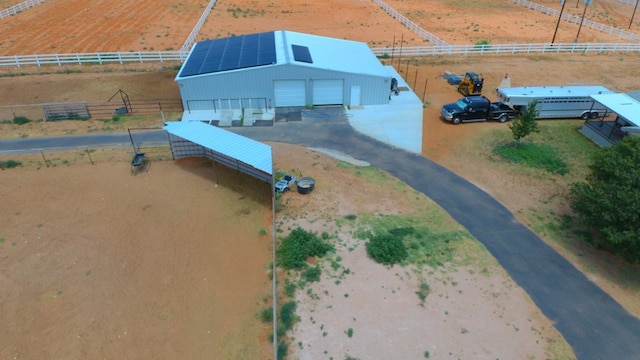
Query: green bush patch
x: 9, y: 164
x: 387, y: 249
x: 312, y: 274
x: 539, y: 156
x: 298, y: 246
x: 21, y: 120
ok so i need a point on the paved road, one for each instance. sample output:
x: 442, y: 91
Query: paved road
x: 593, y: 323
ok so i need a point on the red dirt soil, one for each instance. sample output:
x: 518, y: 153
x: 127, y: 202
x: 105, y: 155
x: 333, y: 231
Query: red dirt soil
x: 70, y: 26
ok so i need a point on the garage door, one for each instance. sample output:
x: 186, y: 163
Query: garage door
x: 289, y: 93
x: 328, y: 92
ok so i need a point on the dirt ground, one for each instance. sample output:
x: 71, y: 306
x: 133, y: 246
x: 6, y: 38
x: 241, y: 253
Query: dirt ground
x: 102, y: 289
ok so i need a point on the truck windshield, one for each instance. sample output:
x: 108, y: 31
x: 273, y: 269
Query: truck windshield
x: 462, y: 103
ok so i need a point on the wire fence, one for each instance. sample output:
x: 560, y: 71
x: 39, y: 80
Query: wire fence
x: 606, y: 29
x: 15, y: 9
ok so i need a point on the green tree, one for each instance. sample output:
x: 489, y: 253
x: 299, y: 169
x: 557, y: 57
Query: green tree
x: 609, y: 200
x: 525, y: 124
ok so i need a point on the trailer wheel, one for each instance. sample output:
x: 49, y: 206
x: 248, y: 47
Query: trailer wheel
x: 455, y: 121
x: 593, y: 115
x: 503, y: 118
x: 585, y: 116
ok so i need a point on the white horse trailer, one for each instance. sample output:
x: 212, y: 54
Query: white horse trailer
x: 559, y: 102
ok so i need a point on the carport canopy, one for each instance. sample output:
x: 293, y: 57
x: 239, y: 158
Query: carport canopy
x: 622, y: 104
x: 197, y: 139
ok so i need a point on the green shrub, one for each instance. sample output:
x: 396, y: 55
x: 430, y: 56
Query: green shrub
x: 289, y: 288
x: 283, y: 349
x: 312, y: 274
x: 21, y: 120
x: 288, y: 314
x: 266, y: 315
x: 386, y: 249
x: 9, y: 164
x: 297, y: 246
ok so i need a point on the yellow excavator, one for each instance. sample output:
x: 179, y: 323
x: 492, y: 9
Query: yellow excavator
x: 471, y: 84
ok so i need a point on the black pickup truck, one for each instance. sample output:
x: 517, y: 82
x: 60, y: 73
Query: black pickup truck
x: 476, y: 108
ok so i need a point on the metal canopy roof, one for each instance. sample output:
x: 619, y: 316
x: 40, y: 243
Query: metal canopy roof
x: 237, y: 52
x: 622, y: 104
x: 231, y: 145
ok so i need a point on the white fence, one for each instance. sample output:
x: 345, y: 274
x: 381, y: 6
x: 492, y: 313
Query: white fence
x: 91, y: 58
x: 13, y: 10
x: 191, y: 39
x: 622, y: 34
x: 508, y: 49
x: 424, y: 34
x: 178, y: 56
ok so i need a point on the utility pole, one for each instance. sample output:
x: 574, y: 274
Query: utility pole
x: 562, y: 2
x: 634, y: 13
x: 586, y: 5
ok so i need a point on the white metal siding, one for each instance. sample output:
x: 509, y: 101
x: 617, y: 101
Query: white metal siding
x: 355, y: 95
x: 197, y: 92
x: 289, y: 93
x: 328, y: 92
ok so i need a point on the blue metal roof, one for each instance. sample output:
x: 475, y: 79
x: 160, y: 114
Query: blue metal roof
x: 232, y: 145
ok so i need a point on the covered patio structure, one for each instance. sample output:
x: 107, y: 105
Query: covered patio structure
x: 606, y: 129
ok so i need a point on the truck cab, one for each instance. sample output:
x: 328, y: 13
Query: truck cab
x: 476, y: 108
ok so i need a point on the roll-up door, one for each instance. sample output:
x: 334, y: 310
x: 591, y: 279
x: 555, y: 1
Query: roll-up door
x: 328, y: 92
x: 289, y: 93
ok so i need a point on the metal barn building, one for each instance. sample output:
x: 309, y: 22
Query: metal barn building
x: 279, y: 69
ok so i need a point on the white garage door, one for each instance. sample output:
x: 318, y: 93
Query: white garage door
x: 289, y: 93
x: 328, y: 92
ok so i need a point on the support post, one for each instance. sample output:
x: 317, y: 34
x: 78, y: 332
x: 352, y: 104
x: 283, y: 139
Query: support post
x: 634, y: 13
x: 558, y: 23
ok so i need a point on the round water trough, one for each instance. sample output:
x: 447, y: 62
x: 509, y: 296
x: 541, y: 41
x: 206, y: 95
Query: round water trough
x: 305, y: 185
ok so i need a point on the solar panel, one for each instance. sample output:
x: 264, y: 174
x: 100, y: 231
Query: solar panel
x: 301, y: 54
x: 231, y: 53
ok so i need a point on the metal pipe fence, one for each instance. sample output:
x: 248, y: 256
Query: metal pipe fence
x: 15, y: 9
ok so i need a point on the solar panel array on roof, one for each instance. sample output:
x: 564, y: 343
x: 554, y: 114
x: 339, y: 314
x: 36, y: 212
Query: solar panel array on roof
x: 301, y: 53
x: 231, y: 53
